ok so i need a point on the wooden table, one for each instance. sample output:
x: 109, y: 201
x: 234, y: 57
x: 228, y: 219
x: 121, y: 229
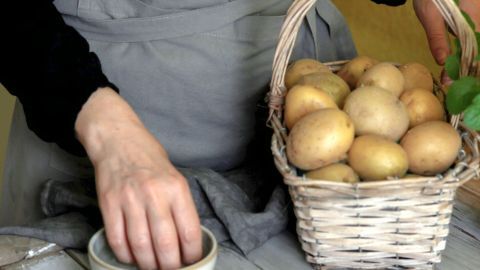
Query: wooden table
x: 463, y: 244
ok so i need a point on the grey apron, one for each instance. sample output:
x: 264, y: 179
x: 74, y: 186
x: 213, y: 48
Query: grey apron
x: 193, y: 71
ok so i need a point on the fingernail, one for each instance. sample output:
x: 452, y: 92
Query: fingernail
x: 127, y: 260
x: 442, y: 55
x: 446, y: 81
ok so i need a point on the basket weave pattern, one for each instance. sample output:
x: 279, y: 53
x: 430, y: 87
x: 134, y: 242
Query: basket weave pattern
x: 393, y: 224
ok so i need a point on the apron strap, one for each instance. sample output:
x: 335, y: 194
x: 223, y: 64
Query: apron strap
x: 311, y: 19
x: 161, y: 27
x: 339, y: 31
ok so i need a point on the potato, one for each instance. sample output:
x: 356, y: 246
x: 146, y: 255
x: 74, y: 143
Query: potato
x: 353, y: 70
x: 319, y: 139
x: 375, y: 157
x: 301, y: 68
x: 374, y: 110
x: 384, y: 75
x: 333, y: 85
x: 416, y: 76
x: 422, y: 106
x: 337, y: 172
x: 302, y: 100
x: 431, y: 147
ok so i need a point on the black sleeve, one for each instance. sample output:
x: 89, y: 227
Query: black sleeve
x: 390, y: 2
x: 48, y: 66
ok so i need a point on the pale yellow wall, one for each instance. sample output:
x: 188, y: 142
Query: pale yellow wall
x: 6, y: 110
x: 386, y: 33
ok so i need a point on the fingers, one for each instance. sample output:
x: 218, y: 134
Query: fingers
x: 435, y: 29
x: 170, y: 218
x: 188, y: 225
x: 149, y: 215
x: 115, y: 229
x: 138, y: 233
x: 164, y: 237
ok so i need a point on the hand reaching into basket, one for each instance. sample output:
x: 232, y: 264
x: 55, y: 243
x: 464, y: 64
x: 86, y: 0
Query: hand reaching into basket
x: 147, y: 208
x: 435, y: 28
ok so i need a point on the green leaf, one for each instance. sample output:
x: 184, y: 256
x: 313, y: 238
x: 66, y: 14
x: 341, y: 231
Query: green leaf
x: 452, y: 66
x: 472, y: 116
x: 469, y: 20
x: 477, y: 35
x: 461, y: 94
x: 476, y: 100
x: 457, y: 2
x: 458, y: 47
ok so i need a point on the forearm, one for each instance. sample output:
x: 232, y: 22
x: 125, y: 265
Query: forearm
x: 140, y: 193
x: 49, y: 67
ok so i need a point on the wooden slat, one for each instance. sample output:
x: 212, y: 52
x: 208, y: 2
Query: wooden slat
x: 469, y: 193
x: 463, y: 243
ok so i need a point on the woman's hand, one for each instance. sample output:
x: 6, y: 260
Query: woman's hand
x: 147, y: 208
x: 435, y: 28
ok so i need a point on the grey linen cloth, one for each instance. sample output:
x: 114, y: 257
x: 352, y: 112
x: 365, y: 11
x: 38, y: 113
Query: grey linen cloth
x: 246, y: 206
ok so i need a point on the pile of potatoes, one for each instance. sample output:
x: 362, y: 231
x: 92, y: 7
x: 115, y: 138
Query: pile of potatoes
x: 369, y: 121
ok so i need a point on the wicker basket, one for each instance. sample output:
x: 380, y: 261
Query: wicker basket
x: 394, y: 224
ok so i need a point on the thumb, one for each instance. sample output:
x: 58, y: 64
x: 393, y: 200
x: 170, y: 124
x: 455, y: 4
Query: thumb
x: 435, y: 29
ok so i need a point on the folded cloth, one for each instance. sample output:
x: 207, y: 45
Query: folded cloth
x: 244, y: 206
x: 67, y: 230
x: 231, y: 204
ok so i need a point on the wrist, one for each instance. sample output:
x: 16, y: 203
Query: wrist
x: 104, y: 118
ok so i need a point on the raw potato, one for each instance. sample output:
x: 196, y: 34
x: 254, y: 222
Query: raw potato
x: 332, y: 84
x: 432, y: 147
x: 416, y: 76
x: 377, y: 158
x: 376, y: 111
x: 319, y: 139
x: 302, y: 100
x: 353, y: 70
x: 422, y: 106
x: 384, y: 75
x: 301, y: 68
x: 337, y: 172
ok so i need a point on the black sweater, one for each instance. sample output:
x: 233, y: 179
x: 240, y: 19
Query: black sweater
x: 49, y: 67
